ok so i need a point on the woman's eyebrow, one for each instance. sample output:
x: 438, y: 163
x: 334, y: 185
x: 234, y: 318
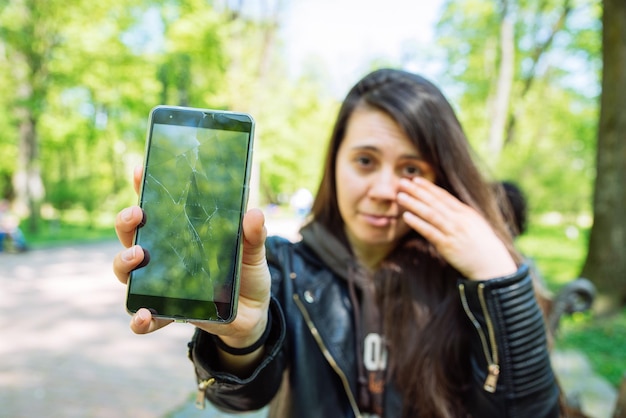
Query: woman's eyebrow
x: 412, y: 157
x: 366, y: 148
x: 373, y: 148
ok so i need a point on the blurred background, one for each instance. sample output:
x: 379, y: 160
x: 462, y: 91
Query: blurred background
x: 539, y: 86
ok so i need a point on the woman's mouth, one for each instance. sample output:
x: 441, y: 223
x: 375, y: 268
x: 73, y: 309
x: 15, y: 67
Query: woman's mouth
x: 379, y: 221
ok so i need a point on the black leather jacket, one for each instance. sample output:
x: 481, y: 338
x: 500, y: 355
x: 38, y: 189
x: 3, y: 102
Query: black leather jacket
x: 311, y: 348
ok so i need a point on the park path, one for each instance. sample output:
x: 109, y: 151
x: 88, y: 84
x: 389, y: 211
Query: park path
x: 65, y: 346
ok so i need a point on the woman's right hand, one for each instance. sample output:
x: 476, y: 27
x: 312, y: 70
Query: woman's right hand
x: 254, y: 291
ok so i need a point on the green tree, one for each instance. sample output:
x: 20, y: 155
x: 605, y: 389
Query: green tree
x: 293, y: 116
x: 96, y: 110
x: 60, y: 59
x: 30, y: 33
x: 193, y: 62
x: 606, y: 257
x: 102, y: 66
x: 509, y: 70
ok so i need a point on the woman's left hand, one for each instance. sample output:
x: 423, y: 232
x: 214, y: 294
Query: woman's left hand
x: 460, y: 234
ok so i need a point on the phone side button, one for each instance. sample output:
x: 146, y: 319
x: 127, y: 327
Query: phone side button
x: 180, y: 320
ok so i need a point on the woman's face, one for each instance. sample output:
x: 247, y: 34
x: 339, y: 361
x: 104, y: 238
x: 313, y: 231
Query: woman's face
x: 373, y: 156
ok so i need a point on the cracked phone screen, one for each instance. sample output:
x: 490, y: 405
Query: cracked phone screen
x: 193, y: 198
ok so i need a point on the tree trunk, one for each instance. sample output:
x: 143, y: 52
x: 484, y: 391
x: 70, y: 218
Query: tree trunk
x: 268, y: 28
x: 539, y: 50
x: 606, y: 258
x: 30, y: 72
x: 29, y: 189
x: 500, y: 104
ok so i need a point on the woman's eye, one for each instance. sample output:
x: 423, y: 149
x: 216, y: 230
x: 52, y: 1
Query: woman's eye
x: 412, y: 171
x: 363, y: 161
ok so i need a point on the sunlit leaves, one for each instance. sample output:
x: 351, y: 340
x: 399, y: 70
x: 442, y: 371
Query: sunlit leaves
x: 553, y: 105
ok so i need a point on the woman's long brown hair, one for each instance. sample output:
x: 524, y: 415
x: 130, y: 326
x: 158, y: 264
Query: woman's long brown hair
x: 416, y: 288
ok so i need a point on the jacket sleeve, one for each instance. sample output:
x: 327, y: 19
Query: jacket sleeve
x: 511, y: 372
x: 232, y: 393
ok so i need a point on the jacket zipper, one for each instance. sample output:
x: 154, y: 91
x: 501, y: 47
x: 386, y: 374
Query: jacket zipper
x: 201, y: 395
x: 493, y: 368
x: 327, y: 354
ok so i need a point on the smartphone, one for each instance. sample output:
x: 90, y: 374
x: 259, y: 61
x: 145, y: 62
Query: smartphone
x: 194, y: 194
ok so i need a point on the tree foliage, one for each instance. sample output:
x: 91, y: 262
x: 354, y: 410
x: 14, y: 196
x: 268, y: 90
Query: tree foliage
x: 561, y: 50
x: 80, y: 80
x: 550, y: 115
x: 57, y: 66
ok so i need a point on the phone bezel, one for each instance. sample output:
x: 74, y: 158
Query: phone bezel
x: 197, y: 310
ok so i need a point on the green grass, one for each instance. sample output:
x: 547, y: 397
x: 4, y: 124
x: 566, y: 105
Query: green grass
x: 72, y: 228
x: 559, y: 259
x: 602, y: 339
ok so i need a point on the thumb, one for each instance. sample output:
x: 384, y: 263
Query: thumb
x: 255, y: 276
x: 254, y: 234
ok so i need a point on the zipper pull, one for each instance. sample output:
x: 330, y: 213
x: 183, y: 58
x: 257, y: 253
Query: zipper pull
x: 201, y: 395
x: 492, y: 378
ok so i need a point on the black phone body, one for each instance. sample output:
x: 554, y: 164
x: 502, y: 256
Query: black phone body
x: 194, y: 193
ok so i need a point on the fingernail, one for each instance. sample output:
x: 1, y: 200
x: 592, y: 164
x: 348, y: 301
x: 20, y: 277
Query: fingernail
x: 140, y: 317
x: 129, y: 254
x: 127, y: 214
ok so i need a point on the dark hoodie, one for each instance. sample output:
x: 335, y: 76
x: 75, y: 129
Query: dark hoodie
x: 371, y: 347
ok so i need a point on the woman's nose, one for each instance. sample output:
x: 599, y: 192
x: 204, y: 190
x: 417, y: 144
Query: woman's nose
x: 384, y: 186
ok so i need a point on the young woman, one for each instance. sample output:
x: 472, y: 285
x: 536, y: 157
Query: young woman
x: 405, y: 296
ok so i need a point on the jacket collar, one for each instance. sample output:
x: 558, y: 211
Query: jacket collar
x: 328, y: 248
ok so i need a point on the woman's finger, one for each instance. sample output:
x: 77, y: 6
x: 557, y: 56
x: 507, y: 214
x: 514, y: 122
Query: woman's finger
x: 425, y: 200
x: 458, y: 232
x: 254, y: 271
x: 254, y: 235
x: 127, y: 261
x: 137, y: 175
x: 126, y: 222
x: 142, y: 322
